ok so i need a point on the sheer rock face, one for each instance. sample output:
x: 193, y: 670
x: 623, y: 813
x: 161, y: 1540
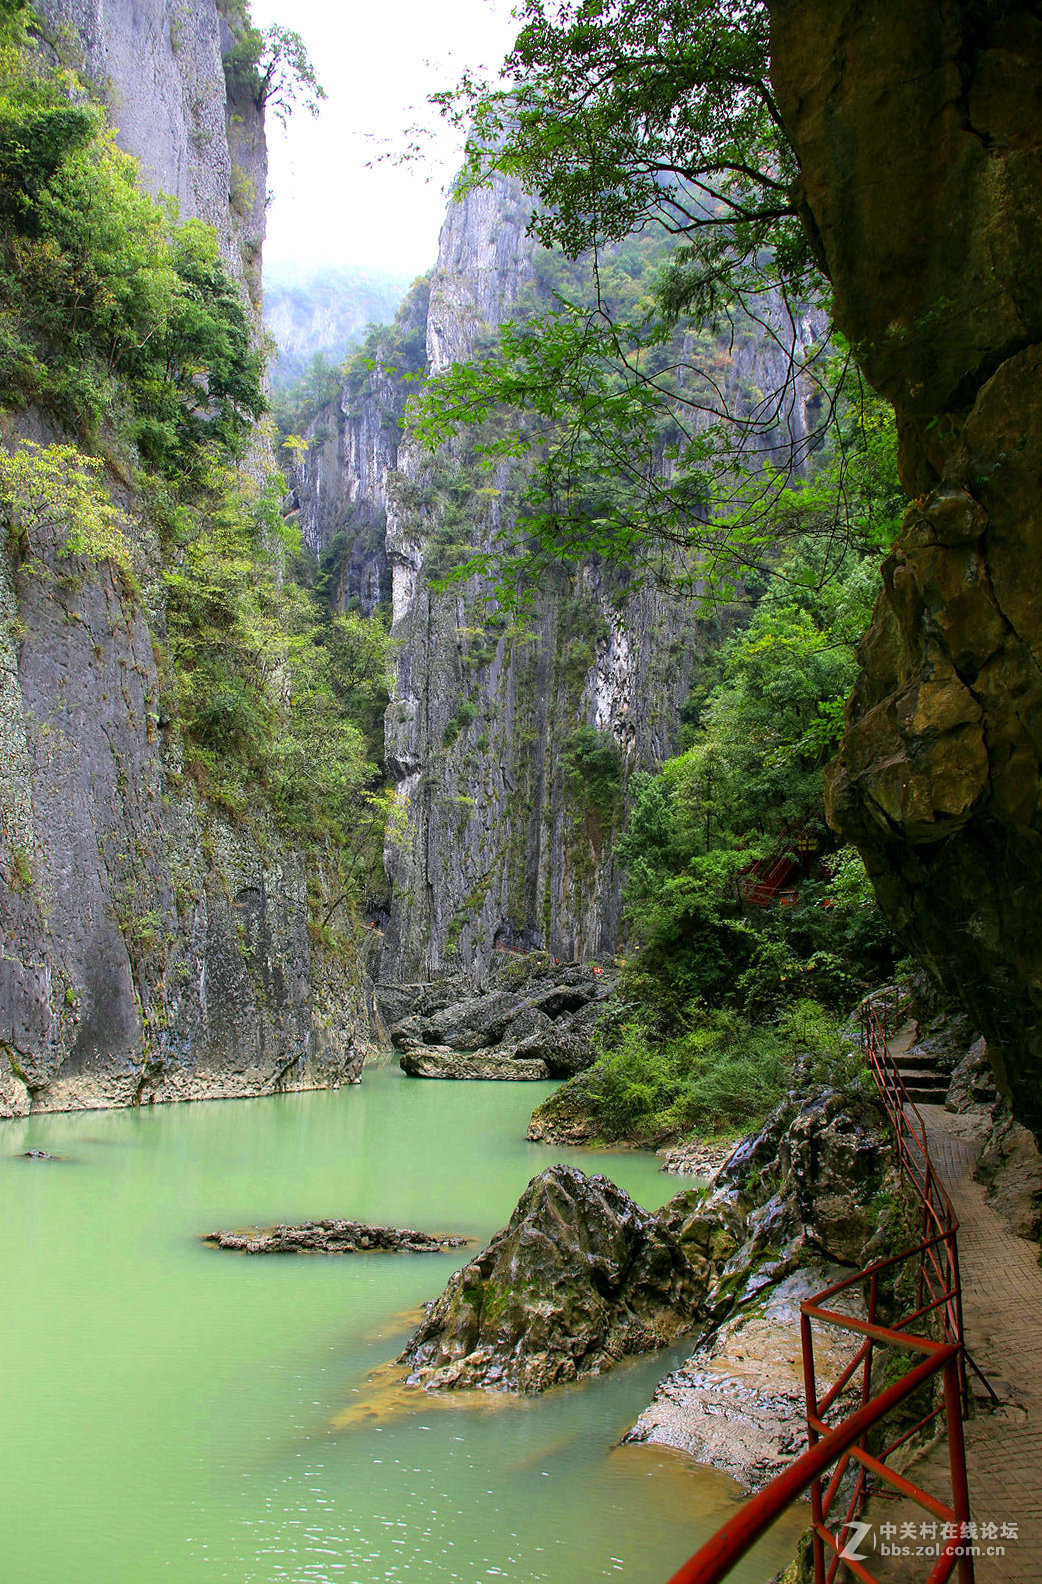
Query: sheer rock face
x: 147, y: 952
x: 920, y: 140
x: 158, y: 66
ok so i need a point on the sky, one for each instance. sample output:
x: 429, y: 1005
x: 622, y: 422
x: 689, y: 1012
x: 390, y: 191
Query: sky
x: 377, y: 60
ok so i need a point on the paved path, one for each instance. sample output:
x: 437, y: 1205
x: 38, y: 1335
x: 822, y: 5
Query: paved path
x: 1002, y: 1311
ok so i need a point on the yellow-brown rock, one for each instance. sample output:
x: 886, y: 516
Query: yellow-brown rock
x: 918, y: 126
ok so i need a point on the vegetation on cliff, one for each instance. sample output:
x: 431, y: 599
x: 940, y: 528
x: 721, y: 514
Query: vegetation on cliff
x: 126, y: 340
x: 719, y: 995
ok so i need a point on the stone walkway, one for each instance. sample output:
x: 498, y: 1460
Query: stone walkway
x: 1002, y: 1312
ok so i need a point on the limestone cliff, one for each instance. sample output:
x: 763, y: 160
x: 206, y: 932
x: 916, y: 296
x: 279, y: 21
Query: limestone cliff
x: 919, y: 134
x: 150, y: 950
x: 511, y: 745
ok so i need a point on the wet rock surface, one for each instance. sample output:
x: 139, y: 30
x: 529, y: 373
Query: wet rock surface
x: 539, y: 1027
x: 696, y: 1158
x: 738, y: 1403
x: 582, y: 1276
x: 332, y: 1237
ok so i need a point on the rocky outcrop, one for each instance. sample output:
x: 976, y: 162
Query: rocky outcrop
x: 920, y: 145
x: 1010, y: 1167
x: 333, y: 1237
x: 540, y: 1029
x: 973, y: 1080
x: 582, y: 1276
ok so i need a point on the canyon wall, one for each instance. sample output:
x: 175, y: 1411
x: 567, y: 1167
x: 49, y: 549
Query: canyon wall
x: 151, y: 949
x: 919, y: 132
x: 512, y: 743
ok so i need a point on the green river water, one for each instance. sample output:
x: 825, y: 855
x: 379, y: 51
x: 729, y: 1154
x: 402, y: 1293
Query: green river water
x: 168, y: 1409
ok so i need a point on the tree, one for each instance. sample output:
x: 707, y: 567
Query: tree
x: 648, y: 118
x: 275, y: 69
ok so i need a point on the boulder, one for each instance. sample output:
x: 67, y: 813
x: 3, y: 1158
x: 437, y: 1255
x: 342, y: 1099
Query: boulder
x: 425, y: 1061
x: 973, y: 1081
x: 562, y: 1054
x: 581, y: 1277
x: 540, y: 1027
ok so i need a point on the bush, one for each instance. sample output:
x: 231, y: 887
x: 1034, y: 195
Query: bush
x: 721, y: 1074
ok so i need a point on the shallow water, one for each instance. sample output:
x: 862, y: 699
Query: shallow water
x: 168, y: 1409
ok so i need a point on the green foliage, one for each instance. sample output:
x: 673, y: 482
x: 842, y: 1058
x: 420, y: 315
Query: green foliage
x: 273, y: 67
x: 298, y: 402
x: 621, y: 113
x: 593, y: 763
x: 114, y: 315
x: 720, y: 1074
x: 53, y: 502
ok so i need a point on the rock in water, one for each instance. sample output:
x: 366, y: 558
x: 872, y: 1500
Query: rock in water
x: 332, y: 1237
x: 581, y: 1277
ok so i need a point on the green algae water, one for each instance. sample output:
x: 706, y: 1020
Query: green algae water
x: 169, y: 1410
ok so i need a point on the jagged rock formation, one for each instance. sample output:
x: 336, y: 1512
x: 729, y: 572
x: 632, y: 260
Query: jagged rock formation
x: 541, y: 1030
x: 504, y: 840
x: 333, y: 1237
x: 149, y: 951
x: 582, y: 1276
x: 920, y: 141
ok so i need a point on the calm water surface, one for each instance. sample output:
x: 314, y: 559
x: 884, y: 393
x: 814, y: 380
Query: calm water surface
x: 168, y: 1409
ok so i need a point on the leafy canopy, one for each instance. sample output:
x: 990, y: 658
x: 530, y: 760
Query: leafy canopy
x: 646, y: 127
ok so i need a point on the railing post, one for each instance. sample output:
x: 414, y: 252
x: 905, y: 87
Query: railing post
x: 810, y: 1392
x: 957, y: 1461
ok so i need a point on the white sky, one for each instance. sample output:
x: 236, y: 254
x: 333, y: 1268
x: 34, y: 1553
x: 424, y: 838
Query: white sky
x: 377, y: 60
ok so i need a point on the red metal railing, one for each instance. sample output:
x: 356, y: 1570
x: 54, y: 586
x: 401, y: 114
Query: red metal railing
x: 842, y: 1458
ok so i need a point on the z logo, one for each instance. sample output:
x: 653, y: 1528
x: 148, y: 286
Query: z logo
x: 850, y: 1553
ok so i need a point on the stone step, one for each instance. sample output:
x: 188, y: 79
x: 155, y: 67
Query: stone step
x: 909, y: 1060
x: 924, y: 1080
x: 921, y: 1097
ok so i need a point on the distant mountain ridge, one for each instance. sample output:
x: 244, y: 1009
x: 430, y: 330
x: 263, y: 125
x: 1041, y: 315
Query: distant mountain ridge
x: 325, y: 311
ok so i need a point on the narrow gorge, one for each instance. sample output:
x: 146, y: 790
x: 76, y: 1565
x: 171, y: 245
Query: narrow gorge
x: 557, y: 772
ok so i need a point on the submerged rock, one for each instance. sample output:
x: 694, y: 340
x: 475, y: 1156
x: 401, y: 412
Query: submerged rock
x: 581, y: 1277
x: 332, y: 1237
